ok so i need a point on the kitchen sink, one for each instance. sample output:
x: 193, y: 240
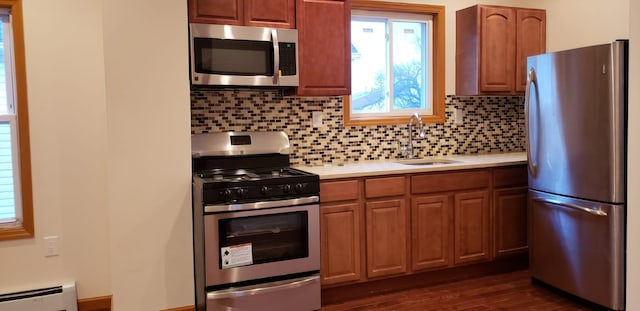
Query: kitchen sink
x: 426, y: 161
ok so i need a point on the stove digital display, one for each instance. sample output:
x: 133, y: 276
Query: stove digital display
x: 240, y: 140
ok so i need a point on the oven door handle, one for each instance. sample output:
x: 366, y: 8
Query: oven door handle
x: 260, y: 205
x: 270, y: 288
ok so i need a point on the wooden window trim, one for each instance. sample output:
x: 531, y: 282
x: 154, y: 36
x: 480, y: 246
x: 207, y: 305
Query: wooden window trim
x: 438, y: 14
x: 26, y: 229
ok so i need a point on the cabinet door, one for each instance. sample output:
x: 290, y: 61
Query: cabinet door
x: 531, y: 36
x: 510, y: 214
x: 386, y: 237
x: 497, y: 51
x: 471, y: 221
x: 431, y: 238
x: 340, y: 243
x: 270, y: 13
x: 324, y: 47
x: 229, y: 12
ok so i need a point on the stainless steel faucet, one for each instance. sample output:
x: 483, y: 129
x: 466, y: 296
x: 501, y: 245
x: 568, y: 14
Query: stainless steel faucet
x: 408, y: 148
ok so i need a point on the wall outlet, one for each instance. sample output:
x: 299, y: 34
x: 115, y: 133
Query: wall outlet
x: 458, y: 116
x: 316, y: 117
x: 51, y: 246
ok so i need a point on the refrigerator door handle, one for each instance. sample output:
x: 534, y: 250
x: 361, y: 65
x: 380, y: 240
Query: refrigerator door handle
x: 532, y: 80
x: 596, y: 212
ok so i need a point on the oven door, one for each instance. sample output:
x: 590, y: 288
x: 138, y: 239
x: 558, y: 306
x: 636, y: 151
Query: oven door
x: 256, y: 243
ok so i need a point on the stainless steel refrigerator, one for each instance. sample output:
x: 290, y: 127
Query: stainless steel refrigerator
x: 576, y: 122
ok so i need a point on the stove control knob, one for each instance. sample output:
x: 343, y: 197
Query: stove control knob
x: 264, y: 190
x: 226, y: 193
x: 286, y: 188
x: 240, y: 192
x: 298, y: 187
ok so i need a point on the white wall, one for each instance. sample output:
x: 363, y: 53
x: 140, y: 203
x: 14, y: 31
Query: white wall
x: 149, y: 154
x: 109, y: 107
x: 576, y: 23
x: 67, y: 110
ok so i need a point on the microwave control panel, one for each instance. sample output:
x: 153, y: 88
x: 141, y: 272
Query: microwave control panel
x: 287, y: 58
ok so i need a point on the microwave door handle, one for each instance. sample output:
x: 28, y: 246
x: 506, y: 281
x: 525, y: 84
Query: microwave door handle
x: 276, y: 56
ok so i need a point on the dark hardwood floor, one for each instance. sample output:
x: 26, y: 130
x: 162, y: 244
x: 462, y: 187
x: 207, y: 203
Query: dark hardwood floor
x: 507, y: 291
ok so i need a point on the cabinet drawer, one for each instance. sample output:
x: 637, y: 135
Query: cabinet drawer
x: 339, y: 190
x: 450, y: 181
x: 384, y: 187
x: 510, y: 176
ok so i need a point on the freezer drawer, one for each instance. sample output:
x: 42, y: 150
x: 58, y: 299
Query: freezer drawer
x: 301, y: 294
x: 578, y: 246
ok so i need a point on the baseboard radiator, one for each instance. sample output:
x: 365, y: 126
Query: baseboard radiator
x: 55, y: 298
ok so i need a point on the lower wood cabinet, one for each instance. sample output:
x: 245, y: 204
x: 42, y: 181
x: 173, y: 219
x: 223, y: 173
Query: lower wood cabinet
x: 386, y: 237
x: 510, y: 217
x: 341, y: 231
x: 472, y: 232
x: 380, y: 227
x: 509, y: 212
x: 340, y: 243
x: 431, y: 232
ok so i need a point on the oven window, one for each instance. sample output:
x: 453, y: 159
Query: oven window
x: 263, y: 239
x: 233, y: 57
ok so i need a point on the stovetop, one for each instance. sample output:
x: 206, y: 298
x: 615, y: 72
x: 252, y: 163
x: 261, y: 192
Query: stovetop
x: 231, y: 186
x: 240, y: 167
x: 250, y: 175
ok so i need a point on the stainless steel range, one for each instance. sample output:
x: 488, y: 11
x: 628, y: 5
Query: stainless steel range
x: 255, y: 225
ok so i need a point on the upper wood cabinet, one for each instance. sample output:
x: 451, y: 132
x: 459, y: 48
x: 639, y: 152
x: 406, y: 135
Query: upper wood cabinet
x: 530, y: 40
x: 492, y: 45
x: 265, y: 13
x: 324, y: 47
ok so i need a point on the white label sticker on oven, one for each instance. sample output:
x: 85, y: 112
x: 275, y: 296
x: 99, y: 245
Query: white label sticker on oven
x: 236, y: 255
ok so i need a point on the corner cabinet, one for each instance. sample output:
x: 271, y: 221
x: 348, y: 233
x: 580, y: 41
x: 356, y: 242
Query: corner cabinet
x: 264, y: 13
x: 324, y: 47
x: 492, y: 46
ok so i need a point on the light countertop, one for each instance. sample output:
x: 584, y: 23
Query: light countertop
x: 388, y: 167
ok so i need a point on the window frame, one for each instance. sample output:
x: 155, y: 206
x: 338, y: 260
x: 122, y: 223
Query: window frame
x: 438, y: 70
x: 24, y: 228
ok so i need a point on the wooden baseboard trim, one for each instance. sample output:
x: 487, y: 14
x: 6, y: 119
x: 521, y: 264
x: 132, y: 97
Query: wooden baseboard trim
x: 102, y: 303
x: 185, y: 308
x: 338, y: 294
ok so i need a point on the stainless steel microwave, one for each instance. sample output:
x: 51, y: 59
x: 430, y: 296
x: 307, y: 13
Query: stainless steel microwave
x: 227, y: 55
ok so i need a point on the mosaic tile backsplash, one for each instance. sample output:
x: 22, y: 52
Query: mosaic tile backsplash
x: 491, y: 124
